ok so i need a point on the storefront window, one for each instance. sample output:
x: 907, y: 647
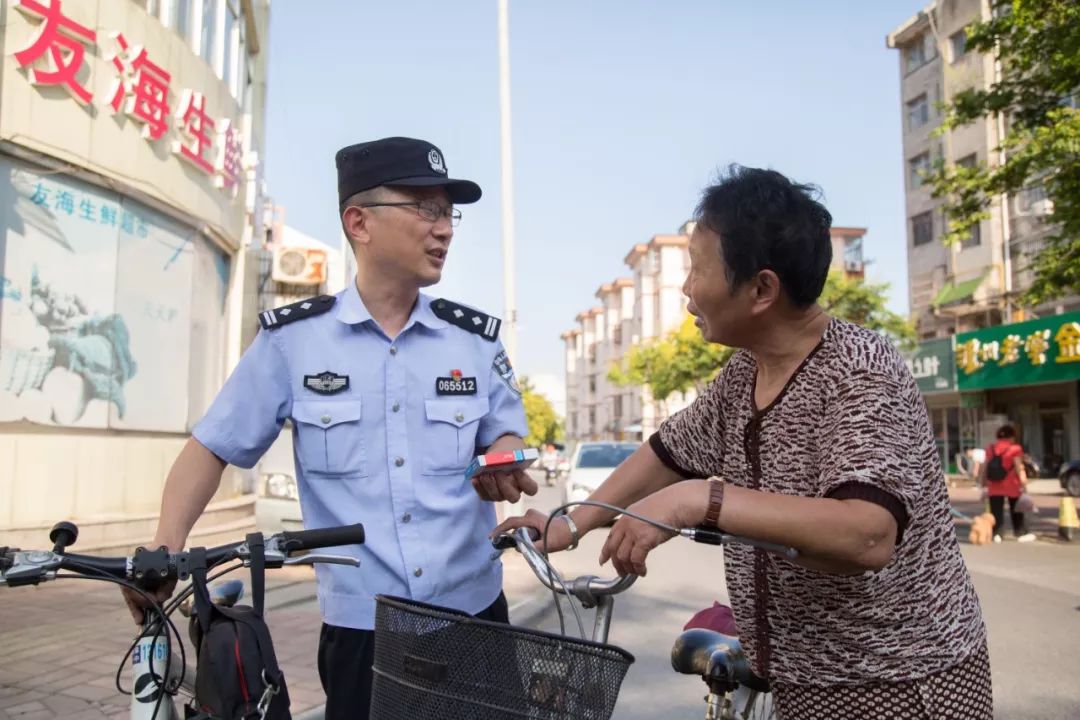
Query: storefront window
x: 102, y: 326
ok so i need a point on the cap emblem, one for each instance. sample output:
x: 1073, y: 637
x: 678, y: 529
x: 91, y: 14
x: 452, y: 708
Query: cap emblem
x: 436, y: 162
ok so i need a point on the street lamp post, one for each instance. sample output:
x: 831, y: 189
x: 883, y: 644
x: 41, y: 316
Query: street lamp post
x: 509, y: 327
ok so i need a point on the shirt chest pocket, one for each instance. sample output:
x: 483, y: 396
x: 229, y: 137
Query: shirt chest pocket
x: 450, y: 432
x: 329, y: 437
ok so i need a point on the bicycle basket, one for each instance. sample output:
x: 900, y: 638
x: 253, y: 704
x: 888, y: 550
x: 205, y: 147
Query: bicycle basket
x: 436, y: 663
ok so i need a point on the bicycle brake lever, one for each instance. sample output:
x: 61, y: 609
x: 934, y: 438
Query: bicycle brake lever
x: 312, y: 558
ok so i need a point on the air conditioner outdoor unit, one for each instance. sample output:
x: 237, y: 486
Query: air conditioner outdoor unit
x: 299, y: 266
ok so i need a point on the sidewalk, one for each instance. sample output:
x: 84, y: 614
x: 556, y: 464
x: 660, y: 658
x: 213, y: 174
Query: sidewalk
x: 1045, y: 493
x: 61, y: 643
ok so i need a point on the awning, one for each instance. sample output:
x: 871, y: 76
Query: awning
x: 957, y: 292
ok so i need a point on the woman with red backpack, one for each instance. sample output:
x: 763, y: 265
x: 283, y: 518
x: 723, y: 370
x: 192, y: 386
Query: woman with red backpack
x: 1003, y: 476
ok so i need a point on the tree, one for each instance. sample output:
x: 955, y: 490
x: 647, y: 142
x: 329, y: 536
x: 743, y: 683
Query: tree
x: 682, y: 359
x: 863, y: 303
x: 544, y: 425
x: 1038, y: 45
x: 679, y: 361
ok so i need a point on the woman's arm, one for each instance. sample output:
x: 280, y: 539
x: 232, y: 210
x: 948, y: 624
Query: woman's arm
x: 838, y: 536
x: 639, y: 476
x: 1021, y: 471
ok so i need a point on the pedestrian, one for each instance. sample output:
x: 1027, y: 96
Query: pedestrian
x: 390, y: 393
x: 814, y: 436
x: 1003, y: 476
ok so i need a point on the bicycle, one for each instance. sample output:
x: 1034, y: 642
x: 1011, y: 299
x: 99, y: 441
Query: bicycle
x: 734, y: 692
x: 157, y: 674
x: 431, y: 662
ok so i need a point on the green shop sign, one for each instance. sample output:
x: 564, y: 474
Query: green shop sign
x: 1038, y: 351
x: 932, y: 365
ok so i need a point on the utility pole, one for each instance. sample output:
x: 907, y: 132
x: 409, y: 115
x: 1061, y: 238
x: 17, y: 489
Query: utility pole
x: 509, y: 326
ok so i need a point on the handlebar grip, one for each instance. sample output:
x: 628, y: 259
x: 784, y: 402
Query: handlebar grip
x: 322, y: 537
x: 506, y: 541
x: 503, y: 542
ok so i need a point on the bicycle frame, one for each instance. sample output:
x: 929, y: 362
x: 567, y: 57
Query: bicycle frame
x: 149, y: 701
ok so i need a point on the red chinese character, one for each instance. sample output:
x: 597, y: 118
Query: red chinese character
x: 144, y: 86
x: 195, y: 127
x: 63, y: 39
x: 230, y: 157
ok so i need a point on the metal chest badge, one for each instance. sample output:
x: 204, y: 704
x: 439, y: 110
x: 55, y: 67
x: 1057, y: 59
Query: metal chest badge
x: 455, y: 384
x: 501, y: 365
x: 327, y: 383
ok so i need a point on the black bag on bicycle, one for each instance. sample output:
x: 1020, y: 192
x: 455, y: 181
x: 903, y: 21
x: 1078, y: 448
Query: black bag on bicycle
x: 237, y: 676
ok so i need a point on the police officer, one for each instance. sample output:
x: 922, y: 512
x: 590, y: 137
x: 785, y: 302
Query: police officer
x: 391, y: 393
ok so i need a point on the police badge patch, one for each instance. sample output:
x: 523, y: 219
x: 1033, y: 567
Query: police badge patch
x: 501, y: 365
x: 327, y: 383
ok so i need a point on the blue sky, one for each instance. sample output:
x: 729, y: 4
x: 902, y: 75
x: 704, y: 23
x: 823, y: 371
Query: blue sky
x: 622, y: 112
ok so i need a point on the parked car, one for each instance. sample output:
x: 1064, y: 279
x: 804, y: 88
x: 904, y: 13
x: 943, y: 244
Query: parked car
x: 591, y: 464
x: 1070, y: 477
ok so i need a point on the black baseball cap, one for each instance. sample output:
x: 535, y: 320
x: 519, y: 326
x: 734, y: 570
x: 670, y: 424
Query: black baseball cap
x: 398, y: 161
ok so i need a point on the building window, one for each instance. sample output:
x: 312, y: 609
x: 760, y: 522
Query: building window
x: 919, y: 52
x: 972, y: 240
x: 958, y: 45
x: 853, y: 257
x: 179, y: 18
x: 968, y: 161
x: 922, y: 229
x: 232, y: 39
x: 592, y: 383
x: 209, y: 26
x: 616, y: 336
x: 918, y: 167
x: 592, y: 420
x: 918, y: 112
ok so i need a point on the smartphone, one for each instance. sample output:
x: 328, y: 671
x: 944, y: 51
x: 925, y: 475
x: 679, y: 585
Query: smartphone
x: 508, y: 460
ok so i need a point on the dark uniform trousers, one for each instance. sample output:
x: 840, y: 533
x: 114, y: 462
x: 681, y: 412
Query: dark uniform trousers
x: 345, y: 659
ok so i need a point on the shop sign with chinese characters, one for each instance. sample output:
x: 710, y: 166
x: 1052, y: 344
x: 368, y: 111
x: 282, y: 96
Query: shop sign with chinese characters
x: 1046, y: 350
x: 140, y: 90
x: 932, y: 366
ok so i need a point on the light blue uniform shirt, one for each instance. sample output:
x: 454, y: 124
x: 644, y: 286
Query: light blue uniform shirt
x: 387, y: 451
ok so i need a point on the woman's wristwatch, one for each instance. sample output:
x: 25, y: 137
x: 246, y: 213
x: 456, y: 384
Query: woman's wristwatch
x: 716, y: 501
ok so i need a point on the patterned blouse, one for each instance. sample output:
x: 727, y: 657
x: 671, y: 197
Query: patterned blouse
x: 849, y: 424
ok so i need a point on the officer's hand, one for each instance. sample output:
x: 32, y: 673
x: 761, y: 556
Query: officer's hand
x: 558, y: 537
x: 137, y: 604
x: 504, y: 485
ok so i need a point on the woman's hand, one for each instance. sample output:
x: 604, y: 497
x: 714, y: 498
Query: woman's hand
x: 681, y: 505
x: 559, y: 537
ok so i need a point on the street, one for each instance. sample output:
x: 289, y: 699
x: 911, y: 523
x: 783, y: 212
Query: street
x: 1030, y: 596
x: 61, y: 643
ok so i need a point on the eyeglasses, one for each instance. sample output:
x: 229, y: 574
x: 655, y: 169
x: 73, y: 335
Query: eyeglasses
x: 427, y: 209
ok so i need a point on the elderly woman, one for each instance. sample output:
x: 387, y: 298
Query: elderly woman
x: 814, y: 436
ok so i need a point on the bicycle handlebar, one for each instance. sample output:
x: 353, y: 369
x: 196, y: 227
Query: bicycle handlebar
x: 322, y: 537
x: 586, y: 588
x: 29, y: 567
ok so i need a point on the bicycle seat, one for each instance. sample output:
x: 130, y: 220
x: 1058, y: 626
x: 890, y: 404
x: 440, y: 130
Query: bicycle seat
x: 715, y: 657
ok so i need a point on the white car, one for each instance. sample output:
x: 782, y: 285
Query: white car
x: 591, y: 464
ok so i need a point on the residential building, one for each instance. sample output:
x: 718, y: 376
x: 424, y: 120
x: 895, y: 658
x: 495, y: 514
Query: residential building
x: 130, y: 138
x: 974, y: 283
x: 970, y: 289
x: 638, y: 309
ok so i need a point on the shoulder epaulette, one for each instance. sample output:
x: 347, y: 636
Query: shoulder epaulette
x: 468, y: 319
x: 271, y: 319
